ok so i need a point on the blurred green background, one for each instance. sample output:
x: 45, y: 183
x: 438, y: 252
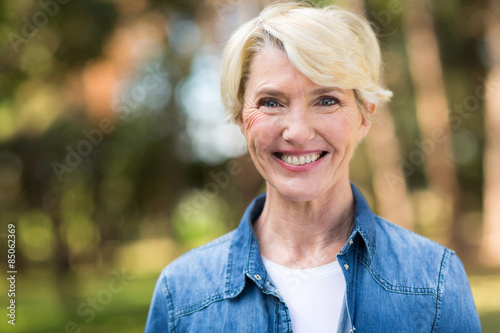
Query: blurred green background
x: 116, y: 156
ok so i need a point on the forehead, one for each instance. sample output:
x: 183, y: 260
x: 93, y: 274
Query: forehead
x: 271, y: 68
x: 272, y: 73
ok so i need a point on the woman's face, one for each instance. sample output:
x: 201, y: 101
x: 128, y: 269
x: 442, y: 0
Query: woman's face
x: 301, y: 136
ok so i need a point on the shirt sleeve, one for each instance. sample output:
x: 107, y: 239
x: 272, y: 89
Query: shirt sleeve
x: 157, y: 320
x: 458, y: 311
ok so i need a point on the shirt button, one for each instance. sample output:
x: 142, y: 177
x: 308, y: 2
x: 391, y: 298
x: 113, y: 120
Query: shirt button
x: 346, y: 266
x: 257, y: 276
x: 350, y: 241
x: 277, y: 292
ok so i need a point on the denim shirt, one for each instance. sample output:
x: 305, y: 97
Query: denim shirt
x: 396, y: 281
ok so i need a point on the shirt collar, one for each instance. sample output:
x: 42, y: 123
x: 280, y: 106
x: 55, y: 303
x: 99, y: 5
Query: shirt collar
x: 364, y: 222
x: 244, y: 258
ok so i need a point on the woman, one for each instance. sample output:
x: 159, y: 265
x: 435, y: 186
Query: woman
x: 309, y: 255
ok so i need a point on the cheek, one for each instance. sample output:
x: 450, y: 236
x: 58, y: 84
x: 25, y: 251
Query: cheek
x: 251, y: 119
x: 339, y: 130
x: 351, y: 120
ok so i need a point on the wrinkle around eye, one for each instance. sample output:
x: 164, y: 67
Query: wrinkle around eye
x: 327, y: 109
x: 251, y: 116
x: 351, y: 119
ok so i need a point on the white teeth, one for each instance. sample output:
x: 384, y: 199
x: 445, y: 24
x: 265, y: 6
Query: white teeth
x: 300, y: 160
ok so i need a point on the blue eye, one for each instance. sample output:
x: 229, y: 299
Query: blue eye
x: 328, y: 101
x: 270, y: 103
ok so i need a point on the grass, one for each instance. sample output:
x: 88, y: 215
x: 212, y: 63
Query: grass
x: 47, y: 304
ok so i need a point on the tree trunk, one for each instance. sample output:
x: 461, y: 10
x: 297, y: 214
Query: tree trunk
x: 490, y: 246
x: 383, y: 148
x: 432, y: 113
x: 388, y: 183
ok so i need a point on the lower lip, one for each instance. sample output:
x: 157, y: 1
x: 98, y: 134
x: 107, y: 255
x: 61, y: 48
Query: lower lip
x: 299, y: 168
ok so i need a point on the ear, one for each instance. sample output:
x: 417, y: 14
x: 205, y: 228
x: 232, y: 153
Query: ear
x: 365, y: 122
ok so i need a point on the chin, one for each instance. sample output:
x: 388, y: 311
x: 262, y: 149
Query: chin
x: 298, y: 193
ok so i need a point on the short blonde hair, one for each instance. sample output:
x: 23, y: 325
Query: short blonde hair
x: 329, y: 45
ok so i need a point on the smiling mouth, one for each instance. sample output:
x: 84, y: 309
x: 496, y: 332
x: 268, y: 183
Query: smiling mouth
x: 300, y: 159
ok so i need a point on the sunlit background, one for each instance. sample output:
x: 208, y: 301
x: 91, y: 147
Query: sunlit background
x: 116, y: 155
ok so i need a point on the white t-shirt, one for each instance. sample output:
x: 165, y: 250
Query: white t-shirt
x: 314, y: 296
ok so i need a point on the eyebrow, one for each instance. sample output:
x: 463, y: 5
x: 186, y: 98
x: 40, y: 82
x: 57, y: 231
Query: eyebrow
x: 271, y: 92
x: 325, y: 90
x: 277, y: 93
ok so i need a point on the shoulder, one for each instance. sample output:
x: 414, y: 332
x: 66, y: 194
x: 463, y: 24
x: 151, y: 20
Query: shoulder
x: 404, y: 258
x: 401, y: 241
x: 200, y: 269
x: 189, y: 283
x: 202, y: 257
x: 418, y: 275
x: 426, y: 267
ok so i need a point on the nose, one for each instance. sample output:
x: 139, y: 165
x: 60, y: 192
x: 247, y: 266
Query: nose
x: 298, y: 127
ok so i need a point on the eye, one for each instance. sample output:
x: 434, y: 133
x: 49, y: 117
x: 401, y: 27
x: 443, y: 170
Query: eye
x: 328, y: 101
x: 269, y: 103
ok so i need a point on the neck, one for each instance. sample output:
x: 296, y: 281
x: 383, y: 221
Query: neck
x: 304, y: 234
